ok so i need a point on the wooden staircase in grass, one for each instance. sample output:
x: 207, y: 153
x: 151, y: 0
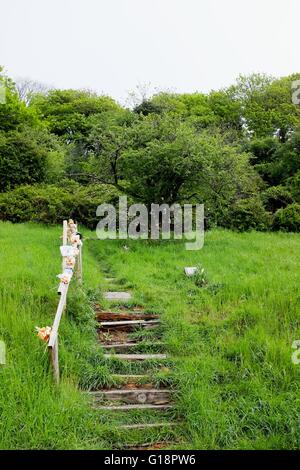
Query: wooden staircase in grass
x: 121, y: 336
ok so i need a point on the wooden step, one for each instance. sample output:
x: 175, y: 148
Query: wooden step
x: 130, y: 376
x: 119, y: 347
x: 152, y: 396
x: 123, y: 347
x: 134, y: 407
x: 136, y: 379
x: 119, y: 316
x: 136, y: 357
x: 161, y: 445
x: 129, y: 324
x: 147, y: 425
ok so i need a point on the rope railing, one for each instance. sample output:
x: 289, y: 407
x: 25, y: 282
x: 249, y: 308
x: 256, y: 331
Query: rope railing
x: 71, y: 251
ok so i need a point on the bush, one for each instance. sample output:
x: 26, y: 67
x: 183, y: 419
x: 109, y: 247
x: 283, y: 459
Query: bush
x: 276, y: 197
x: 22, y: 160
x: 248, y: 214
x: 288, y: 219
x: 51, y: 204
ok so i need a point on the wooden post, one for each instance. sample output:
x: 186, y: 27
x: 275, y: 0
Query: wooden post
x: 53, y: 340
x: 53, y: 351
x: 80, y: 265
x: 62, y: 290
x: 64, y: 241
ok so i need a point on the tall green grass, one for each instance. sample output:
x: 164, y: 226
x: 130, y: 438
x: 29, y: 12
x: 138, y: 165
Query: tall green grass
x: 231, y: 338
x: 33, y: 412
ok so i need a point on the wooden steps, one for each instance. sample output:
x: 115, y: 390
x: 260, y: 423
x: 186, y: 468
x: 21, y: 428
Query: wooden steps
x: 119, y: 316
x: 136, y: 396
x: 131, y: 392
x: 137, y: 357
x: 128, y: 324
x: 127, y: 347
x: 134, y: 407
x: 148, y: 425
x: 130, y: 377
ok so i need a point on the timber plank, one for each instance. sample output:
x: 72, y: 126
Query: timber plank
x: 136, y: 357
x: 134, y: 396
x: 119, y: 316
x: 134, y: 407
x: 148, y: 425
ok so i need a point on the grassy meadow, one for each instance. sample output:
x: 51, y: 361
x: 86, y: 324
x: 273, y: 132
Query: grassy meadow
x: 229, y: 332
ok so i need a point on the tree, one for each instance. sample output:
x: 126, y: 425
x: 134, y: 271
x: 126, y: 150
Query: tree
x: 66, y: 112
x: 267, y: 105
x: 28, y: 152
x: 161, y: 159
x: 13, y: 113
x: 22, y: 160
x: 27, y: 89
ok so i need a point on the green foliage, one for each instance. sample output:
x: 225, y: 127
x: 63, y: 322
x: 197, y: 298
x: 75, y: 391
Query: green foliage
x: 51, y: 204
x: 288, y: 218
x: 221, y: 148
x: 13, y: 113
x: 276, y: 197
x: 22, y: 160
x: 28, y: 152
x: 293, y: 185
x: 267, y: 105
x: 248, y: 214
x: 287, y: 159
x: 66, y: 112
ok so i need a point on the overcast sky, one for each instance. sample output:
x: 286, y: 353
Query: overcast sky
x: 112, y: 45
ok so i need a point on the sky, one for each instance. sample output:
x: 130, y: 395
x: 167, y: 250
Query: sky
x: 111, y: 46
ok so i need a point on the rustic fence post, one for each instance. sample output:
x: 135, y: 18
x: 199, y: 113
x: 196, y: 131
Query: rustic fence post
x: 64, y: 241
x: 63, y: 290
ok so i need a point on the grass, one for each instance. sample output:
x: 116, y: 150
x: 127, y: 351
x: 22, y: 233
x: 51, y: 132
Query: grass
x: 229, y: 330
x: 34, y: 413
x: 229, y: 333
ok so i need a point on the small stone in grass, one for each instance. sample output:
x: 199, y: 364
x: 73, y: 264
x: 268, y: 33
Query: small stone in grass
x: 191, y: 271
x: 117, y: 296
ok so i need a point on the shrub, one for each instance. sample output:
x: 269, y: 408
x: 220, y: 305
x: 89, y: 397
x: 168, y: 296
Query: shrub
x: 22, y: 160
x: 248, y: 214
x: 288, y: 218
x: 51, y: 204
x: 276, y: 197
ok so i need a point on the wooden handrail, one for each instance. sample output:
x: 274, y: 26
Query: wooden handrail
x: 63, y: 291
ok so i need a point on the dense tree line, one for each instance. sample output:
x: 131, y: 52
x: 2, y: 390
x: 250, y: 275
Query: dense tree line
x: 236, y: 150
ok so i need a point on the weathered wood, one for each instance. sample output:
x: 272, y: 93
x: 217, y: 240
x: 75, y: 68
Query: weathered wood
x: 53, y: 352
x: 122, y: 347
x: 80, y: 265
x: 147, y: 425
x: 119, y: 316
x: 59, y: 312
x: 128, y: 378
x: 128, y: 324
x: 62, y: 290
x: 64, y: 241
x: 119, y: 347
x: 160, y: 445
x: 134, y: 396
x: 136, y: 357
x: 134, y: 407
x: 117, y: 296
